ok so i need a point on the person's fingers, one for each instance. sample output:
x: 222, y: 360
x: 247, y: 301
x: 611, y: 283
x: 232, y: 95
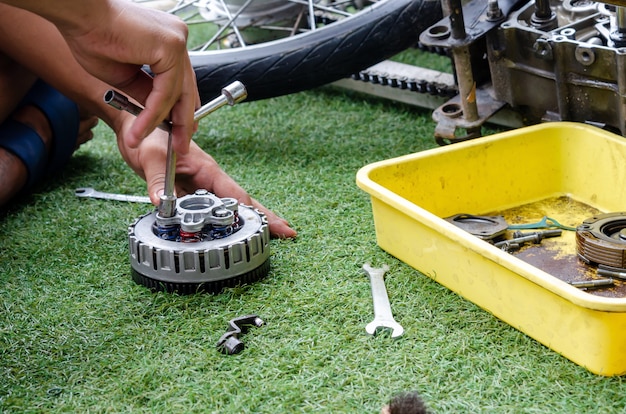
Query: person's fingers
x: 85, y: 127
x: 151, y: 164
x: 169, y: 93
x: 155, y: 181
x: 173, y: 94
x: 138, y: 86
x: 182, y: 114
x: 159, y: 106
x: 227, y: 187
x: 279, y: 227
x: 199, y: 170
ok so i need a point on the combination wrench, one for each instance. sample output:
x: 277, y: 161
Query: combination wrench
x: 383, y: 318
x: 91, y: 193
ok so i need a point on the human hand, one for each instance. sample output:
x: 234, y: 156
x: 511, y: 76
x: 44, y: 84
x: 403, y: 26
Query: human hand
x: 194, y: 170
x: 144, y: 37
x: 113, y: 40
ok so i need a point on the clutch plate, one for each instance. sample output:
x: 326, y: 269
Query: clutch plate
x: 483, y: 227
x: 601, y: 240
x: 210, y: 244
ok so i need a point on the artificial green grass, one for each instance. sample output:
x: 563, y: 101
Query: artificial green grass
x: 77, y: 335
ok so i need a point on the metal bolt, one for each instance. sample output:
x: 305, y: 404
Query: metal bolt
x: 520, y: 239
x: 540, y: 234
x: 535, y: 238
x: 591, y: 284
x: 493, y: 11
x: 611, y: 273
x: 508, y: 246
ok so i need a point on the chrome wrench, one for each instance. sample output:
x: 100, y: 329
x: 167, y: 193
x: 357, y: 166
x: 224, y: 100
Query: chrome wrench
x: 91, y: 193
x: 383, y: 318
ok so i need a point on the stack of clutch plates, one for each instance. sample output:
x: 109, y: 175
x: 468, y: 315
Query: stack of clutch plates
x: 601, y: 240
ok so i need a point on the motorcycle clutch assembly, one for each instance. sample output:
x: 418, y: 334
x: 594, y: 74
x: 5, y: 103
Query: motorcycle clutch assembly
x: 209, y: 244
x: 601, y: 240
x: 199, y: 242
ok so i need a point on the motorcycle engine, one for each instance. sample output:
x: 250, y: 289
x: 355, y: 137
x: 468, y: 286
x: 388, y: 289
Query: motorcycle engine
x: 568, y: 66
x: 546, y: 60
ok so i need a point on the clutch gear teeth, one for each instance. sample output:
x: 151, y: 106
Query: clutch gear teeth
x: 205, y: 266
x: 205, y: 287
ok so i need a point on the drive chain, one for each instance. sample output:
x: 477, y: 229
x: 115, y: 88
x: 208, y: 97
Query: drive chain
x: 394, y: 80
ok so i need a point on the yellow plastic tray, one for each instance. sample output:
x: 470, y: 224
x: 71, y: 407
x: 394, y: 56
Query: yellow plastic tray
x: 412, y: 194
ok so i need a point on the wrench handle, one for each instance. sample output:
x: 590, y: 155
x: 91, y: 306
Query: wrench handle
x: 380, y: 298
x: 91, y: 193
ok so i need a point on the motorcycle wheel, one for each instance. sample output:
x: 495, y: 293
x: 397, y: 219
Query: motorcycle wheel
x: 332, y: 51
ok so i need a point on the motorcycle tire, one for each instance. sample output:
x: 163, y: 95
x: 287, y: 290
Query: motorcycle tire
x: 320, y: 56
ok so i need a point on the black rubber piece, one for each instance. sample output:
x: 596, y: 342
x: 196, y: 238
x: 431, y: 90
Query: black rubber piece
x: 318, y: 57
x: 23, y: 142
x: 214, y: 287
x: 28, y: 146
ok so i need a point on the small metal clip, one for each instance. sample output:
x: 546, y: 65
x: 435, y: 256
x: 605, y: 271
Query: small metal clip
x: 229, y: 343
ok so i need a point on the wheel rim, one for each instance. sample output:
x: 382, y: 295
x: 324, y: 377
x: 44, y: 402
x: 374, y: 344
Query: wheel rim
x: 226, y: 24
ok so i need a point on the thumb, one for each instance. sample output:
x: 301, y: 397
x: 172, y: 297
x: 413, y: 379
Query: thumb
x: 155, y: 194
x: 155, y: 180
x: 156, y: 188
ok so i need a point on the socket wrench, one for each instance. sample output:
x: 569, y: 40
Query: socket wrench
x: 231, y: 95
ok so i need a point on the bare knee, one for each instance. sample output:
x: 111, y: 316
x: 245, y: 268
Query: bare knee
x: 14, y: 175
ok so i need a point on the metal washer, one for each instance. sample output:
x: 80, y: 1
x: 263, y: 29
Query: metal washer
x: 484, y: 227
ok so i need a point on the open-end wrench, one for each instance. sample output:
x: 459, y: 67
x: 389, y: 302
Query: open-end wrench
x: 383, y: 318
x: 91, y: 193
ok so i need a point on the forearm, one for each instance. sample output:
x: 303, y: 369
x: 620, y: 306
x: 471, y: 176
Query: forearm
x: 71, y: 15
x: 52, y: 60
x: 112, y: 40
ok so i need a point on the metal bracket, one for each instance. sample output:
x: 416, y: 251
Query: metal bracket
x: 476, y: 24
x: 229, y: 343
x: 450, y: 120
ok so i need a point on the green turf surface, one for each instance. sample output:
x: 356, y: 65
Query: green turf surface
x: 77, y: 335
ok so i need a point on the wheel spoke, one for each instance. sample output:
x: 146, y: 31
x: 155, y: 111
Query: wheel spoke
x: 329, y: 9
x: 218, y: 24
x: 230, y: 23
